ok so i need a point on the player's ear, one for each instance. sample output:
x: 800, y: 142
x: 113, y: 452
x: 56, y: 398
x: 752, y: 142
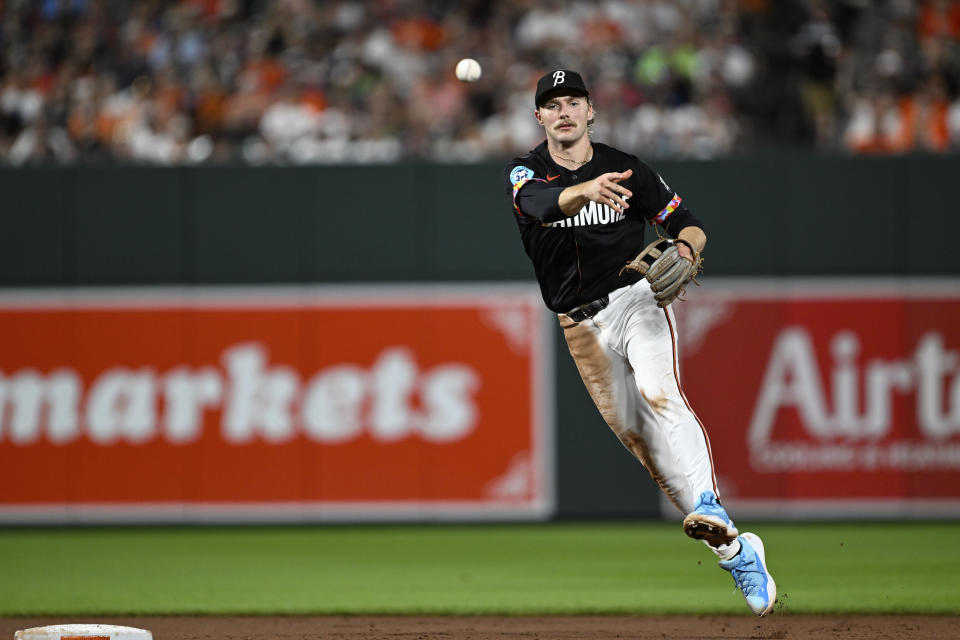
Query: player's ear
x: 536, y: 114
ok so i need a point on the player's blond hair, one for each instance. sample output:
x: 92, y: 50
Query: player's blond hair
x: 591, y: 120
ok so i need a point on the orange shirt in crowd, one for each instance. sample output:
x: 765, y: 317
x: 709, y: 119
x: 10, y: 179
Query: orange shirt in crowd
x: 940, y: 19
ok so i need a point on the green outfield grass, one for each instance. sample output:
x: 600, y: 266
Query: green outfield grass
x: 565, y: 568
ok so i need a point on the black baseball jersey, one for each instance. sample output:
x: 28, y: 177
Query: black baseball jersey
x: 577, y: 259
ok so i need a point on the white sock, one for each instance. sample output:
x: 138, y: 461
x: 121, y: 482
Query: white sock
x: 726, y: 551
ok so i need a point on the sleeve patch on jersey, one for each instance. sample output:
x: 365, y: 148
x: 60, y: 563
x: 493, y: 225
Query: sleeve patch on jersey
x: 517, y: 185
x: 520, y: 174
x: 667, y: 210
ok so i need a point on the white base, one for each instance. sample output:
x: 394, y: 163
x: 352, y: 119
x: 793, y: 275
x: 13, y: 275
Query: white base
x: 64, y: 631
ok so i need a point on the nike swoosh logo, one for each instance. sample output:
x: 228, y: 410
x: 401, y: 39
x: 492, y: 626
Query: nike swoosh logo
x: 549, y: 178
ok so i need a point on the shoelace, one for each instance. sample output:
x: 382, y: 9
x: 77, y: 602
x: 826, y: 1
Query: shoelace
x: 747, y: 577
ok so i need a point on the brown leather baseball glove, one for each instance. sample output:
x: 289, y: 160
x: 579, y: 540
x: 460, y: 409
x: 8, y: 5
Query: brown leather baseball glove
x: 665, y: 269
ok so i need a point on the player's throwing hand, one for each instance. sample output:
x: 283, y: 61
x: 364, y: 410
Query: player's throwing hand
x: 604, y: 190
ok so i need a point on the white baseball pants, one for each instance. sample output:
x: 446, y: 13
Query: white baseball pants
x: 627, y: 357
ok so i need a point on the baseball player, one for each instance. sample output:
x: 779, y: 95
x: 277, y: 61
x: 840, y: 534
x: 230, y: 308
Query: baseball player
x: 581, y: 207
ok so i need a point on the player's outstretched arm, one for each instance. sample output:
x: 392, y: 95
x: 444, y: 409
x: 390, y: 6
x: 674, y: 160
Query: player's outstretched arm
x: 603, y: 189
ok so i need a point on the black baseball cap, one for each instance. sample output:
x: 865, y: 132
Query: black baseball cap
x: 560, y: 82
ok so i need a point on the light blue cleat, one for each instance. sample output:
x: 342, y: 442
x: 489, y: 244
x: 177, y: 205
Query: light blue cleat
x: 749, y: 571
x: 709, y: 522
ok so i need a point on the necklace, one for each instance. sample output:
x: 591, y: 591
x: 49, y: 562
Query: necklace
x: 579, y: 163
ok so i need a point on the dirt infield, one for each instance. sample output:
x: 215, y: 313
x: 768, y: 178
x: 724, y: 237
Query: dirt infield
x: 527, y: 628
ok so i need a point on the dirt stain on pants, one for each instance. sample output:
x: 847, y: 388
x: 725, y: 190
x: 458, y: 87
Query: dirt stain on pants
x: 596, y: 371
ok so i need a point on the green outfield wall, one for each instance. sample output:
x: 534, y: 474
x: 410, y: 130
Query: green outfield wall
x: 772, y: 216
x: 778, y: 215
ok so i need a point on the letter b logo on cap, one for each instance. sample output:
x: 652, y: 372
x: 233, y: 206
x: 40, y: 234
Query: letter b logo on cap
x: 558, y: 77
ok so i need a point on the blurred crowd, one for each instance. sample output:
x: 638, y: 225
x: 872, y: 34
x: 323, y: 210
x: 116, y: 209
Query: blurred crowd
x: 315, y: 81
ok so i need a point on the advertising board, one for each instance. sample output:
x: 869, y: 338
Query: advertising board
x: 828, y: 397
x: 279, y: 403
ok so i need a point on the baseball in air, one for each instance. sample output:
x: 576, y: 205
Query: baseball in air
x: 468, y: 70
